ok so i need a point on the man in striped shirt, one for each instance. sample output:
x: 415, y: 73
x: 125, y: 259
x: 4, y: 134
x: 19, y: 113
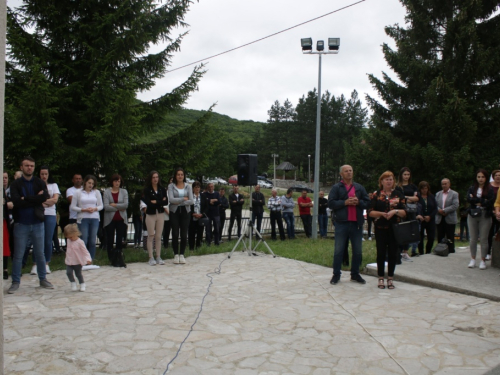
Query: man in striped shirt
x: 274, y: 205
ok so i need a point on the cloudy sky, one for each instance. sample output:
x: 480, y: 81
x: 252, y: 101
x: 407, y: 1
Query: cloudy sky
x: 246, y: 82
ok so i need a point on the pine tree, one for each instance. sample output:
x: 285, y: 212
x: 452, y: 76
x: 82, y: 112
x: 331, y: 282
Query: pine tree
x: 441, y: 116
x: 73, y: 75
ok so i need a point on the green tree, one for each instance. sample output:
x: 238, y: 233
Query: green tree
x: 441, y: 116
x: 73, y: 74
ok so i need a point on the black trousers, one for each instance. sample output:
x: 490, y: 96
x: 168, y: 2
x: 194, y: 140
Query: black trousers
x: 235, y: 216
x: 166, y: 233
x: 213, y: 230
x: 195, y: 234
x: 119, y: 228
x: 430, y: 228
x: 222, y: 223
x: 179, y: 221
x: 446, y: 230
x: 387, y: 247
x: 495, y: 226
x: 276, y: 217
x: 307, y: 222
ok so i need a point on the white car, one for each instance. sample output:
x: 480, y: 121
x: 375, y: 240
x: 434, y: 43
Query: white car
x: 220, y: 181
x: 264, y: 184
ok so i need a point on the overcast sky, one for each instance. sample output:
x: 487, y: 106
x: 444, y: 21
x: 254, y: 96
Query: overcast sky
x: 246, y: 82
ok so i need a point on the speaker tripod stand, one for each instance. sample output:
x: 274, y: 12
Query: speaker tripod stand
x: 247, y: 243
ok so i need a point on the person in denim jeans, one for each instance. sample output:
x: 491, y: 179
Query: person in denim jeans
x: 348, y: 199
x: 322, y: 215
x: 288, y: 204
x: 28, y: 193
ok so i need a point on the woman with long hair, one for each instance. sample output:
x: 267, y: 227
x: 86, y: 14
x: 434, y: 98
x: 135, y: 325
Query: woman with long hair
x: 481, y: 199
x: 115, y: 216
x: 387, y: 208
x: 50, y: 221
x: 410, y: 192
x: 428, y: 218
x: 180, y: 196
x: 155, y: 198
x: 87, y: 203
x: 495, y: 223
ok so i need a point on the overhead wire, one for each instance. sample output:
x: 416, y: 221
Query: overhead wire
x: 267, y: 37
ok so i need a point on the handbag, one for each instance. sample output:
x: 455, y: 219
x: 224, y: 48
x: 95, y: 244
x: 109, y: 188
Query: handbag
x: 411, y: 211
x: 406, y: 232
x: 203, y: 221
x: 441, y: 248
x: 475, y: 212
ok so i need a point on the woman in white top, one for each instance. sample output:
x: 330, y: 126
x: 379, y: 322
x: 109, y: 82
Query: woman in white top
x: 87, y: 203
x: 50, y: 222
x: 180, y: 196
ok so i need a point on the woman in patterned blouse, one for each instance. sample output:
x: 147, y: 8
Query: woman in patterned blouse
x: 387, y: 208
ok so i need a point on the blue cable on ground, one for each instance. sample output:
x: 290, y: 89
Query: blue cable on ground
x: 217, y: 271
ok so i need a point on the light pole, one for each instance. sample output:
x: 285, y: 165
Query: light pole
x: 333, y: 48
x: 274, y: 179
x: 309, y: 180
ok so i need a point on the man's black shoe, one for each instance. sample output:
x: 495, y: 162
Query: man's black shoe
x: 335, y: 280
x: 357, y: 278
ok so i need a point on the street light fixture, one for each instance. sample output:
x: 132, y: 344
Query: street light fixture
x: 274, y: 179
x: 309, y: 180
x: 333, y: 49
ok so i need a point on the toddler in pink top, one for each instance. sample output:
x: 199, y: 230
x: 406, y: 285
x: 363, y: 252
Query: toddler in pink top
x: 77, y: 255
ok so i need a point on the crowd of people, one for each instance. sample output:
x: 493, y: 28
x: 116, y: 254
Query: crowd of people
x: 198, y: 217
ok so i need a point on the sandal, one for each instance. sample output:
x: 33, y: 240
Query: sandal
x: 381, y: 283
x: 390, y: 285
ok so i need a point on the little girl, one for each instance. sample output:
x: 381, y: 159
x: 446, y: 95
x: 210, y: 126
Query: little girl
x: 76, y: 256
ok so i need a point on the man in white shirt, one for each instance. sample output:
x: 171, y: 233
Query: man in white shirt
x: 77, y: 185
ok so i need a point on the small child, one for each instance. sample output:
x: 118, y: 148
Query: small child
x: 76, y: 256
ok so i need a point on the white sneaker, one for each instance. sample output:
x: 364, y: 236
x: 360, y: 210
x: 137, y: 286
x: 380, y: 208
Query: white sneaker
x: 73, y: 287
x: 33, y: 270
x: 369, y: 238
x: 176, y: 259
x: 472, y: 263
x: 482, y: 265
x: 47, y: 268
x: 159, y: 261
x: 363, y: 239
x: 182, y: 260
x: 152, y: 262
x: 82, y: 287
x: 406, y: 257
x: 488, y: 257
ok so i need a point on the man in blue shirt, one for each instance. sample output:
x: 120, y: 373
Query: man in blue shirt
x: 28, y: 193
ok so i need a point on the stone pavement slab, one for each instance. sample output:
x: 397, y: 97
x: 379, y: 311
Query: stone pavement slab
x: 449, y: 273
x: 263, y: 315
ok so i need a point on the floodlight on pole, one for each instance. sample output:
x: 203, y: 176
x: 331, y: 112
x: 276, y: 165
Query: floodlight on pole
x: 333, y: 49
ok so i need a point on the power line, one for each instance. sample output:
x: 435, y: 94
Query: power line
x: 269, y: 36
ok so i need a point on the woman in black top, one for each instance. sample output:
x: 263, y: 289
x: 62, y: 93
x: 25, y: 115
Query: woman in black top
x: 155, y: 198
x: 387, y: 208
x: 428, y: 218
x: 410, y: 192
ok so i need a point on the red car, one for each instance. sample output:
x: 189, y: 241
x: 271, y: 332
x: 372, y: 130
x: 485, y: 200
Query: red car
x: 233, y: 180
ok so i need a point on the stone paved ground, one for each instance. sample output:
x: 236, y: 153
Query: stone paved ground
x: 262, y: 316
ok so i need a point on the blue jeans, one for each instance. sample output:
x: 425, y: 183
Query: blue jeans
x: 290, y: 224
x: 50, y: 224
x: 323, y: 224
x: 89, y: 228
x: 23, y: 233
x: 344, y: 231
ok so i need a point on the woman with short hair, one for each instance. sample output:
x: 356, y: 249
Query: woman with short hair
x: 481, y: 199
x: 87, y: 203
x: 387, y: 208
x: 410, y: 192
x: 115, y: 216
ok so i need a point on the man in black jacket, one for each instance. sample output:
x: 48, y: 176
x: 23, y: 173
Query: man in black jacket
x: 212, y: 203
x: 224, y: 205
x: 236, y: 202
x: 348, y: 199
x: 28, y: 193
x: 258, y: 202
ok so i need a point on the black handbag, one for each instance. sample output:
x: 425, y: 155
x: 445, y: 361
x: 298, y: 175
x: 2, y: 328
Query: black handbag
x: 475, y: 212
x: 406, y: 232
x: 441, y: 248
x: 203, y: 221
x: 411, y: 211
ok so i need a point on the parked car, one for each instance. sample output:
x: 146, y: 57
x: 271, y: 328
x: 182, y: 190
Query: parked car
x: 264, y: 184
x: 189, y: 180
x: 299, y: 188
x: 221, y: 181
x: 233, y: 180
x: 263, y: 178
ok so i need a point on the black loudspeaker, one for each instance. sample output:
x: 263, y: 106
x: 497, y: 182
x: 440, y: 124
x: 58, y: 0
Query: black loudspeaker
x: 247, y: 169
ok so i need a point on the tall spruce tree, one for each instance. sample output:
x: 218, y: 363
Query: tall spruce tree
x: 73, y: 74
x: 441, y: 117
